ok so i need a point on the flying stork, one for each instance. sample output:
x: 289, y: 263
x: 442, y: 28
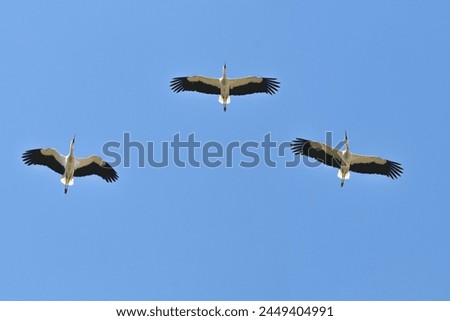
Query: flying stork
x: 345, y: 160
x: 225, y: 87
x: 70, y: 166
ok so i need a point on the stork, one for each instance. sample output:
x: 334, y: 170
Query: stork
x: 70, y: 166
x: 225, y: 87
x: 345, y: 160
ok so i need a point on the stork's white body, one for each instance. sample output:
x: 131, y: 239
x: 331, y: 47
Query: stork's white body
x: 67, y: 178
x: 224, y: 97
x: 69, y: 166
x: 344, y: 170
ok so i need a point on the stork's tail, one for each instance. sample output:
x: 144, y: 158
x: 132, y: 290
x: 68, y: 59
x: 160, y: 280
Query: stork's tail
x: 343, y: 177
x: 224, y: 102
x: 66, y: 183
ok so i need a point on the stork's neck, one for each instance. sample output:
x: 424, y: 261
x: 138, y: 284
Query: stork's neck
x: 347, y: 148
x: 71, y: 149
x: 346, y: 152
x: 224, y: 71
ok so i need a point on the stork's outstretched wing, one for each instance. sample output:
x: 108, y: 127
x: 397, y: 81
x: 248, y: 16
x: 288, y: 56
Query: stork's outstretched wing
x: 323, y: 153
x: 94, y: 165
x: 200, y: 84
x: 46, y: 156
x: 251, y: 85
x: 375, y: 165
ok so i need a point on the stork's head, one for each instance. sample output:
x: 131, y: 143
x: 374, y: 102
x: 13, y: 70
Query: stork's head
x: 224, y: 69
x: 72, y: 142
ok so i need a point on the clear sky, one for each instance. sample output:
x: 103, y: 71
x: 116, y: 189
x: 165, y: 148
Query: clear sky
x: 101, y: 70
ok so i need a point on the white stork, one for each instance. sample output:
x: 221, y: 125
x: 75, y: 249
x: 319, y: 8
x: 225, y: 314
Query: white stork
x: 70, y: 166
x: 345, y: 160
x: 224, y: 87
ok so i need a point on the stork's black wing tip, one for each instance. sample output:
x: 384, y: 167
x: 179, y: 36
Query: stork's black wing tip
x: 112, y: 175
x: 272, y: 85
x: 297, y: 145
x: 177, y: 84
x: 395, y: 170
x: 27, y: 156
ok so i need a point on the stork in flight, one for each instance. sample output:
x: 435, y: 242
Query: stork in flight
x: 70, y: 166
x: 345, y: 160
x: 225, y: 87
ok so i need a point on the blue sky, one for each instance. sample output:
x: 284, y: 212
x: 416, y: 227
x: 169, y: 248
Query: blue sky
x: 99, y: 69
